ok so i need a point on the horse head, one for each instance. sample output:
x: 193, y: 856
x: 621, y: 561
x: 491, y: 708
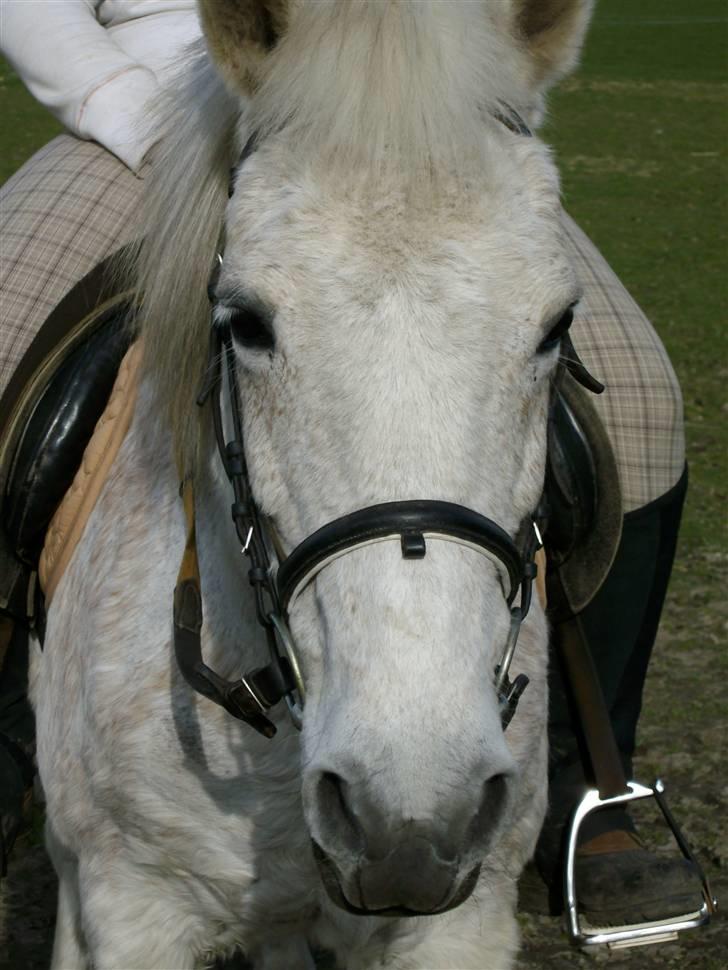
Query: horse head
x: 395, y: 286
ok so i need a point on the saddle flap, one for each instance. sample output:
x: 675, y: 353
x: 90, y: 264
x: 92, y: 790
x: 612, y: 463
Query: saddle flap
x: 584, y: 501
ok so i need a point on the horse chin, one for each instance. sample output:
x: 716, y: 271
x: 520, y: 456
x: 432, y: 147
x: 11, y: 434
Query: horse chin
x: 332, y: 881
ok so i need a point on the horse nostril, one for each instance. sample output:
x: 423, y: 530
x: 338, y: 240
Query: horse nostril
x: 337, y: 819
x: 492, y: 809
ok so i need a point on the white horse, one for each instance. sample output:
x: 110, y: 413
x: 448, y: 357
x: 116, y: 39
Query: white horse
x: 393, y: 273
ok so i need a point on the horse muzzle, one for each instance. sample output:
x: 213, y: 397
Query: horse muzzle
x: 381, y: 854
x: 412, y: 880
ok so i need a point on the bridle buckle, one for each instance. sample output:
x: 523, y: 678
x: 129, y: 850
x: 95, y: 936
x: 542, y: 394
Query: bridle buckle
x: 509, y: 696
x: 242, y: 702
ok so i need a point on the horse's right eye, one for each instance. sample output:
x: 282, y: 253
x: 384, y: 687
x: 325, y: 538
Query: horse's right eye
x: 251, y: 329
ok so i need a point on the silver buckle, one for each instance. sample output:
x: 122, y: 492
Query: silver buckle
x: 262, y: 709
x: 633, y: 934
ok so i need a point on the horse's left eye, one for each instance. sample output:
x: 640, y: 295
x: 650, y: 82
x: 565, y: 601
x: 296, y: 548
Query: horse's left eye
x: 552, y: 338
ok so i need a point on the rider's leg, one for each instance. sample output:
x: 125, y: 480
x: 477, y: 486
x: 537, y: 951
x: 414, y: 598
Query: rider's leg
x: 642, y: 411
x: 68, y: 208
x: 617, y: 879
x: 620, y: 624
x: 641, y: 407
x: 638, y: 583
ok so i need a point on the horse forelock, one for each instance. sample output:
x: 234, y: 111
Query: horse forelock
x: 403, y: 86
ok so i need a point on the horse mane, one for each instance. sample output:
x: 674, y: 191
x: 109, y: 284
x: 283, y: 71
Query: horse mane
x: 368, y: 87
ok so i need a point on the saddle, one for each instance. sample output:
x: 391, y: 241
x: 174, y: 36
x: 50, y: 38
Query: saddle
x: 63, y: 384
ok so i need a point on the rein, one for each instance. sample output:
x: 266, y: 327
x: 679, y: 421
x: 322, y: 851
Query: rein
x: 251, y: 697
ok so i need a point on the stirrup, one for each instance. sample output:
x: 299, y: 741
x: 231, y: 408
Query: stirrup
x: 632, y: 934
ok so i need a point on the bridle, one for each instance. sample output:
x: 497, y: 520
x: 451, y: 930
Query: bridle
x: 413, y: 522
x: 277, y: 585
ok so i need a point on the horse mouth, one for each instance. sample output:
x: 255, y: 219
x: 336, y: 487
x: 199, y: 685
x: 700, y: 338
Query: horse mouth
x: 332, y: 884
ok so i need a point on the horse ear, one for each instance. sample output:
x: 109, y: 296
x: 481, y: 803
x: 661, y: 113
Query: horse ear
x: 553, y: 32
x: 240, y: 33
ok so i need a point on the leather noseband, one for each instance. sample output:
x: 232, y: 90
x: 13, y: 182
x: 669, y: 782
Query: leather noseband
x: 412, y: 521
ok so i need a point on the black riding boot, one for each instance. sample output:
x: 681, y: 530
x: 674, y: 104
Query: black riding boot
x: 617, y: 879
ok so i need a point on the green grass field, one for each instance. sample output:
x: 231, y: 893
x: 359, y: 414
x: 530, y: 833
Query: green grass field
x: 641, y: 135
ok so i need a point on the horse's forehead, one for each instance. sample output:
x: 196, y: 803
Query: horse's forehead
x: 319, y: 234
x: 389, y: 232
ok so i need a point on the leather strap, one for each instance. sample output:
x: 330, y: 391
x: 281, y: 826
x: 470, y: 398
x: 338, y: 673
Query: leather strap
x: 7, y: 625
x: 587, y: 691
x: 575, y: 366
x: 540, y: 580
x: 412, y: 521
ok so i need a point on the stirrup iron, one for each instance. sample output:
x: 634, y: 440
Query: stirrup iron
x: 633, y: 934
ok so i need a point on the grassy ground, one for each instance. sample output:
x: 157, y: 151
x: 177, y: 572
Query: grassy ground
x: 641, y: 135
